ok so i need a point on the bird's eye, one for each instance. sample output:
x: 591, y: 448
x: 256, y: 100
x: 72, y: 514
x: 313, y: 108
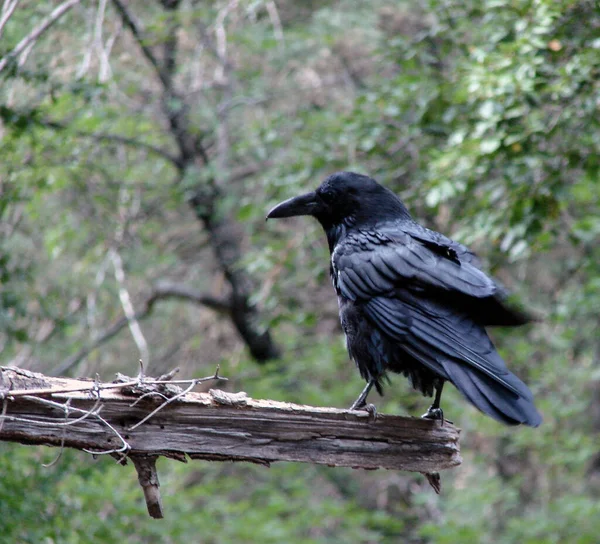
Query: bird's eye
x: 327, y: 196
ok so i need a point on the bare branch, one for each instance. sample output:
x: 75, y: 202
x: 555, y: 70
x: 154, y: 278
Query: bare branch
x: 163, y: 405
x: 7, y: 10
x: 127, y: 304
x: 217, y: 426
x: 166, y: 289
x: 138, y: 33
x: 30, y: 39
x: 162, y: 291
x: 148, y: 479
x: 115, y: 138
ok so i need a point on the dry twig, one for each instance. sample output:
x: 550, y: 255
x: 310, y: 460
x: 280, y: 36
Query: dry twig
x: 28, y: 41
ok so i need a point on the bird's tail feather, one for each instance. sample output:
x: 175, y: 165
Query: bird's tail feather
x: 492, y: 397
x: 485, y: 393
x: 457, y: 348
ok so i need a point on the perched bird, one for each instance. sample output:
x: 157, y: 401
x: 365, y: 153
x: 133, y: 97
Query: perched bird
x: 412, y: 301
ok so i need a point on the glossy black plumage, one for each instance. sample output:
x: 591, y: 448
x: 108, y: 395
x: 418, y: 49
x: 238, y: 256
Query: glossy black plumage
x: 411, y: 300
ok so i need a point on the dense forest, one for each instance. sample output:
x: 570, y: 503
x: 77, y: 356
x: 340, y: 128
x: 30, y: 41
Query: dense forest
x: 143, y: 144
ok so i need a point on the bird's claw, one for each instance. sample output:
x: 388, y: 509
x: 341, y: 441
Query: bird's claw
x: 370, y: 408
x: 434, y: 413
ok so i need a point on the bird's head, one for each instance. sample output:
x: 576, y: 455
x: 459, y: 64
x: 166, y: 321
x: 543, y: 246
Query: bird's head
x: 344, y: 198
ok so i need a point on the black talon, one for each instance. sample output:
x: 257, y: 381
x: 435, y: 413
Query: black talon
x: 434, y: 411
x: 372, y: 410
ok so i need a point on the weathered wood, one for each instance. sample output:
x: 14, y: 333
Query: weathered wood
x: 148, y: 479
x: 215, y: 426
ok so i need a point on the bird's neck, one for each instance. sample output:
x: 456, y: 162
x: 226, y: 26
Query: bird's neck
x: 334, y: 234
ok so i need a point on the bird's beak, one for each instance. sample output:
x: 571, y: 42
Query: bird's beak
x: 307, y: 204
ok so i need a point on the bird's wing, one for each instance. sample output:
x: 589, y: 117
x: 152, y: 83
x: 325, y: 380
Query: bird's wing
x: 368, y: 263
x: 438, y: 335
x: 456, y: 348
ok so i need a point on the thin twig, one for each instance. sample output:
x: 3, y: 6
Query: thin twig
x: 28, y: 40
x: 162, y: 291
x: 7, y: 10
x: 62, y: 438
x: 60, y: 406
x: 177, y: 396
x: 126, y: 447
x: 159, y: 408
x: 148, y: 394
x: 127, y: 304
x: 103, y: 386
x: 50, y: 391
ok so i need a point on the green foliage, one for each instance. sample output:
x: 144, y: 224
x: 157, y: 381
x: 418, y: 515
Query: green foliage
x: 76, y: 501
x: 481, y: 114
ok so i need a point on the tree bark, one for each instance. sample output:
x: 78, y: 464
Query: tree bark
x: 217, y: 426
x: 143, y: 418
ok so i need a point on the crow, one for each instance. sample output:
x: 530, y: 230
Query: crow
x: 412, y: 301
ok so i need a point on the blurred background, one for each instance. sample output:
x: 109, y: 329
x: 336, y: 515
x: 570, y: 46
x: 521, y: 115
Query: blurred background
x: 142, y: 144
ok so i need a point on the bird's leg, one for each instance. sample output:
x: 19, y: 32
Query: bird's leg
x: 434, y: 411
x: 361, y: 401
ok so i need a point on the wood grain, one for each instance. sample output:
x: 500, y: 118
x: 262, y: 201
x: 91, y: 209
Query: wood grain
x: 216, y: 426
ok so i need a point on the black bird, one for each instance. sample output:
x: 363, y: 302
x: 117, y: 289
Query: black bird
x: 412, y: 301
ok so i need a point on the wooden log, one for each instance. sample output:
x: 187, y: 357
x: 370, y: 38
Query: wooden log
x: 218, y: 426
x: 145, y: 419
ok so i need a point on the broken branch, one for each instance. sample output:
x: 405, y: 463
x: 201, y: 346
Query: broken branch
x: 147, y: 418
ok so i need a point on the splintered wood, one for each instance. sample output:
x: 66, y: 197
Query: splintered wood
x: 146, y: 418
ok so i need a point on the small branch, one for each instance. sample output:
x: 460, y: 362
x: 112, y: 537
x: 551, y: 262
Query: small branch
x: 114, y: 138
x: 7, y: 10
x: 148, y: 479
x: 162, y: 291
x: 128, y: 309
x: 138, y: 33
x: 33, y: 36
x: 166, y: 289
x: 215, y: 426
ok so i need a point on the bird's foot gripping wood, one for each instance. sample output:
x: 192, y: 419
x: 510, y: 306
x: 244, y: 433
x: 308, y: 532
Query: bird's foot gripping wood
x: 434, y: 413
x: 371, y: 409
x: 361, y: 402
